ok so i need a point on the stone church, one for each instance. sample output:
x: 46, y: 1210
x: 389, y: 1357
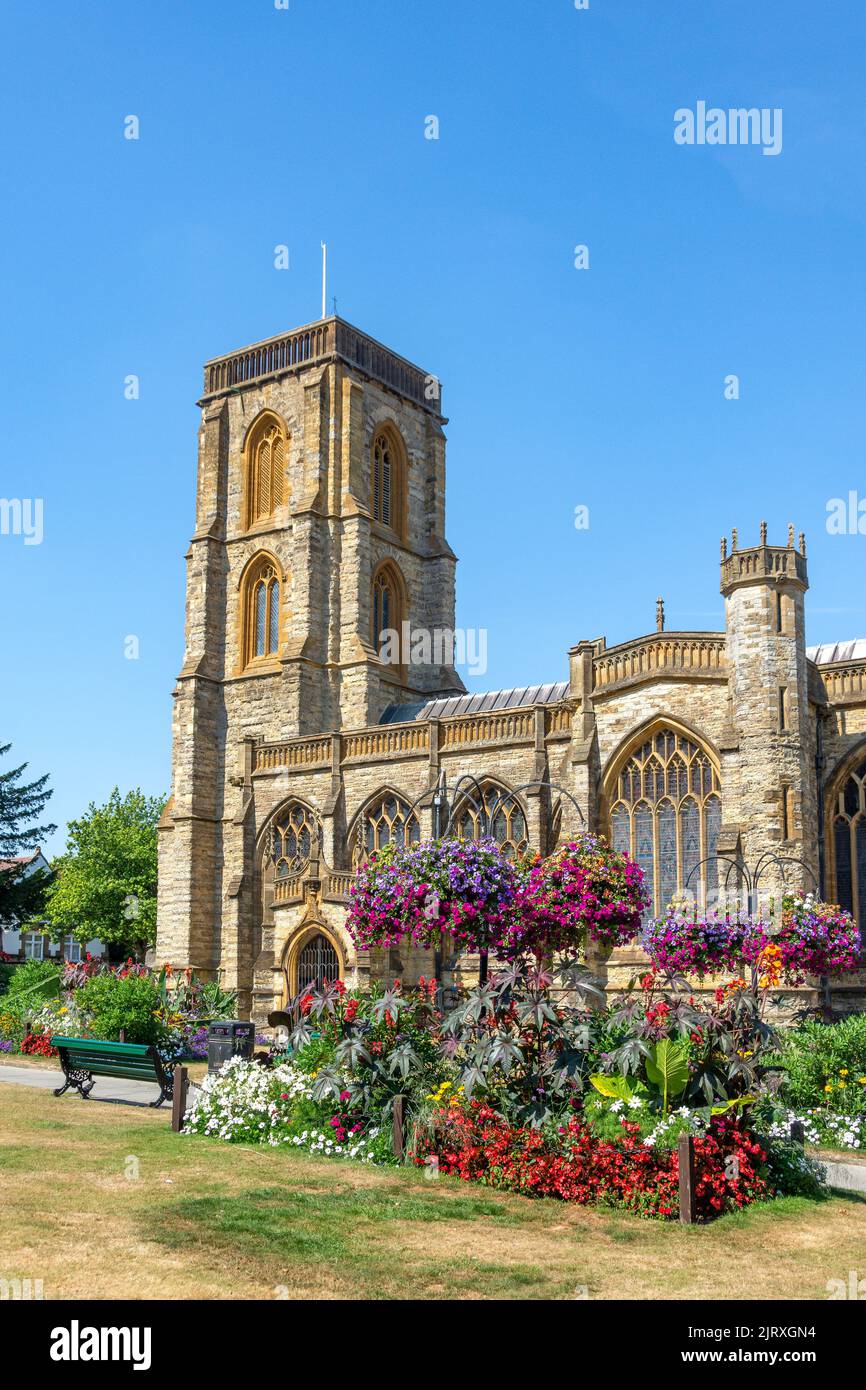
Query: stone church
x: 300, y: 745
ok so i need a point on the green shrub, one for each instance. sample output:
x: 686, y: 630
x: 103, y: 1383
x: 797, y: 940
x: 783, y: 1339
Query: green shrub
x: 793, y: 1172
x: 817, y: 1056
x: 7, y: 970
x: 128, y: 1003
x: 37, y: 978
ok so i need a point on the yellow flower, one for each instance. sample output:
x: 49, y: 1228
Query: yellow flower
x: 862, y: 1080
x: 828, y: 1088
x: 843, y: 1071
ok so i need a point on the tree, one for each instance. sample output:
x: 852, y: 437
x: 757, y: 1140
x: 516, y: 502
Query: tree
x: 105, y: 882
x: 22, y: 895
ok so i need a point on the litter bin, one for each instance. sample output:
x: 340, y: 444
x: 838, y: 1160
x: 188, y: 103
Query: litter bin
x: 229, y: 1039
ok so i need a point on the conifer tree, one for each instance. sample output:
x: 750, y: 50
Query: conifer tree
x: 21, y: 806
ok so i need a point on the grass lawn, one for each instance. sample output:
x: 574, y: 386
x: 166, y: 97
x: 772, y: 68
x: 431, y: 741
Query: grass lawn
x: 210, y: 1220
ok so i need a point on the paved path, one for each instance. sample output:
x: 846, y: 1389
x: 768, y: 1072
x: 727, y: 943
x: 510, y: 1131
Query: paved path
x: 846, y: 1177
x: 112, y: 1089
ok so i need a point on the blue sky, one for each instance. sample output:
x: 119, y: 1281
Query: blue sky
x: 602, y: 387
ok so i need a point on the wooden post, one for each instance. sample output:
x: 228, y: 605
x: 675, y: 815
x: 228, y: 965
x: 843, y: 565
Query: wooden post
x: 686, y: 1149
x: 798, y: 1133
x: 397, y: 1136
x: 178, y: 1098
x: 121, y: 1037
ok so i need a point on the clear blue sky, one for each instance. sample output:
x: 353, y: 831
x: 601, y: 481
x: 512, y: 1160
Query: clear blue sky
x: 602, y: 387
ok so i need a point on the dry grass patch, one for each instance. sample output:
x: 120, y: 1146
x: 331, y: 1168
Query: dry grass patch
x: 286, y: 1225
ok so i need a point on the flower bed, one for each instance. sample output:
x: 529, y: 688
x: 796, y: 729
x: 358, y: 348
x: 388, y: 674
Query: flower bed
x: 477, y: 1144
x: 93, y: 999
x: 246, y: 1103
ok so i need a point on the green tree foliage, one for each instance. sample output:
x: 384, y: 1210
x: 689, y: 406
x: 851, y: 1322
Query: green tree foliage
x: 105, y: 883
x: 22, y: 895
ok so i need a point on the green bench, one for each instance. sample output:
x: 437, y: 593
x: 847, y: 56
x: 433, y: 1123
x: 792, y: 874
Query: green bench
x: 82, y: 1059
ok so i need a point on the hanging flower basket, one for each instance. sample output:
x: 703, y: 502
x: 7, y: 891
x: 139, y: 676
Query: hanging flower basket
x: 584, y: 891
x: 421, y: 892
x: 808, y: 938
x: 689, y: 944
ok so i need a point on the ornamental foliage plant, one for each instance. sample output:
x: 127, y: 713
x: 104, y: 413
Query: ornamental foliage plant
x: 715, y: 1051
x: 524, y: 1039
x: 421, y: 892
x: 364, y: 1049
x: 128, y: 1003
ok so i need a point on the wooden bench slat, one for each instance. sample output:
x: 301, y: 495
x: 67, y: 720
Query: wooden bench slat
x: 102, y: 1045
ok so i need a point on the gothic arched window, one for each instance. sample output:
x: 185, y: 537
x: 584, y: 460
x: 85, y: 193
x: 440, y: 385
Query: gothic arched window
x: 388, y: 613
x: 295, y: 837
x: 387, y: 469
x: 666, y: 812
x: 260, y: 611
x: 266, y: 452
x: 496, y: 813
x: 849, y: 842
x: 383, y: 478
x: 387, y: 820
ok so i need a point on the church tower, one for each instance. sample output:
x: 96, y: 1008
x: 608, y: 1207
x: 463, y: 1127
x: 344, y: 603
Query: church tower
x: 320, y: 524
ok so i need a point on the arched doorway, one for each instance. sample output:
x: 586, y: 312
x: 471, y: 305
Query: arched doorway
x: 316, y: 958
x: 846, y: 835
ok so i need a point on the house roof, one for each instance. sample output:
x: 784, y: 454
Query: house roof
x: 828, y: 652
x: 444, y: 707
x: 19, y: 861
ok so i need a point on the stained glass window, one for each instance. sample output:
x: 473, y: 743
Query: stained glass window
x: 386, y: 608
x: 493, y: 812
x: 387, y: 820
x: 666, y: 812
x: 296, y: 834
x: 849, y: 843
x: 264, y: 612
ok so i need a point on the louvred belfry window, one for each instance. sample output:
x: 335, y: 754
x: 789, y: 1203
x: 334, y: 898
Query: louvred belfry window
x: 383, y: 480
x: 266, y: 471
